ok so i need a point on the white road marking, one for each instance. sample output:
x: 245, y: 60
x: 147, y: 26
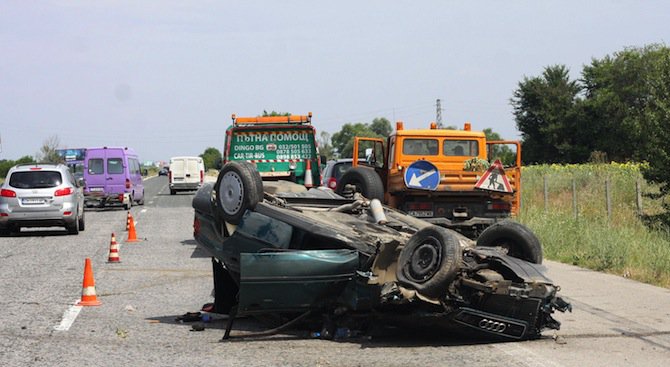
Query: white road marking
x: 68, y: 317
x: 151, y: 202
x: 143, y: 211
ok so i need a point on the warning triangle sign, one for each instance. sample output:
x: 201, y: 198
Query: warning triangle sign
x: 494, y: 179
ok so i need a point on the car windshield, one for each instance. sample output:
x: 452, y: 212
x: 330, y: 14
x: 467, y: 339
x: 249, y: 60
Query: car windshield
x: 35, y: 179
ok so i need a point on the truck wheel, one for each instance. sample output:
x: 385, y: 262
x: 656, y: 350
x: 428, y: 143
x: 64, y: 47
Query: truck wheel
x: 366, y: 181
x: 515, y: 238
x: 239, y: 187
x: 429, y: 261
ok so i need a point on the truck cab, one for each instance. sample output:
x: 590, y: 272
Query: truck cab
x: 280, y: 147
x: 456, y: 161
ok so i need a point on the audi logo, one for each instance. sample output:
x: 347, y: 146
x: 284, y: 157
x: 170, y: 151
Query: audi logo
x: 491, y: 325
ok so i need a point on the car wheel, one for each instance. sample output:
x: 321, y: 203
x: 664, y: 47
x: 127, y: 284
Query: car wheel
x: 82, y: 221
x: 513, y: 237
x: 366, y: 181
x: 238, y: 187
x: 173, y: 192
x: 129, y: 205
x: 430, y: 261
x: 73, y: 228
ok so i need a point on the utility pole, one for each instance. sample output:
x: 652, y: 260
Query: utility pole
x: 438, y: 113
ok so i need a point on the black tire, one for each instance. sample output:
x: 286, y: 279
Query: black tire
x: 238, y: 187
x: 518, y: 240
x: 366, y: 181
x: 430, y: 261
x: 82, y: 221
x: 173, y: 192
x: 73, y: 228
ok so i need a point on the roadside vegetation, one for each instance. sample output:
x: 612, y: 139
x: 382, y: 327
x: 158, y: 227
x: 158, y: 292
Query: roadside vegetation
x: 627, y: 243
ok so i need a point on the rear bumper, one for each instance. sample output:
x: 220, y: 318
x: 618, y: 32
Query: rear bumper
x: 37, y: 219
x: 185, y: 185
x: 101, y: 197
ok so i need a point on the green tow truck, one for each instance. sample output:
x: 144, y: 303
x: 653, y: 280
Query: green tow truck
x: 280, y: 147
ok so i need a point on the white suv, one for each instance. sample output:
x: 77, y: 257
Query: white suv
x: 41, y: 195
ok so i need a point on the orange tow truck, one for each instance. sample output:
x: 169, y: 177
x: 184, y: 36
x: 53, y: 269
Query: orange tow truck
x: 453, y: 178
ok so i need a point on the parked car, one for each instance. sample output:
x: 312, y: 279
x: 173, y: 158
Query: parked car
x: 163, y: 171
x: 41, y: 195
x: 113, y: 176
x: 334, y: 170
x: 331, y: 263
x: 186, y: 174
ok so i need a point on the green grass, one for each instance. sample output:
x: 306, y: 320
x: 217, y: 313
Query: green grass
x: 621, y: 245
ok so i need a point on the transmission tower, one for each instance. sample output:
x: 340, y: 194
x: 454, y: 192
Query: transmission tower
x: 438, y: 113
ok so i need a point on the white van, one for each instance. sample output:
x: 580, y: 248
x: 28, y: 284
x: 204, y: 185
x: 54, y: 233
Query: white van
x: 185, y: 174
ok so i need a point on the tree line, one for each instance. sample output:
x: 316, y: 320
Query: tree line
x: 618, y: 110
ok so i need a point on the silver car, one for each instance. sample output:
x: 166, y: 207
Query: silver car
x: 41, y: 195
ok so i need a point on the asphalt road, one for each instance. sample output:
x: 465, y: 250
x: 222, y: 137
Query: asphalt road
x: 615, y: 322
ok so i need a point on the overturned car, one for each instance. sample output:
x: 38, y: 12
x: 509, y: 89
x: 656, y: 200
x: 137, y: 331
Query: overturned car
x: 314, y: 256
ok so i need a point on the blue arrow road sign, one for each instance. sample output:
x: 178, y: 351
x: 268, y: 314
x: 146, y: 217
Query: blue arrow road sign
x: 422, y: 175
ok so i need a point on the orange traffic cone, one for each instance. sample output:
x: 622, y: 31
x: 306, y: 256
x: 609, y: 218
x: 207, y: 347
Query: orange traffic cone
x: 88, y: 296
x: 128, y: 219
x: 132, y: 235
x: 113, y: 251
x: 308, y: 174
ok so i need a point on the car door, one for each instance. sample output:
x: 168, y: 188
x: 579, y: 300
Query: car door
x: 94, y: 171
x: 117, y: 171
x: 135, y: 174
x: 191, y: 171
x: 296, y: 280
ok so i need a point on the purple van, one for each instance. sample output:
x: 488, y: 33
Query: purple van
x: 113, y: 176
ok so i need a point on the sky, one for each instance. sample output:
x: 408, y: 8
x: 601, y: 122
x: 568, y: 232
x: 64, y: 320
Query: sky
x: 163, y: 77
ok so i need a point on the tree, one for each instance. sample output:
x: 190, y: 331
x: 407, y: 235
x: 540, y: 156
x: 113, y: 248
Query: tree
x: 343, y: 140
x: 545, y: 113
x: 617, y: 95
x: 381, y: 126
x: 274, y: 113
x: 47, y: 153
x: 609, y: 114
x: 655, y: 119
x: 325, y: 148
x: 211, y: 157
x: 503, y: 152
x: 6, y: 164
